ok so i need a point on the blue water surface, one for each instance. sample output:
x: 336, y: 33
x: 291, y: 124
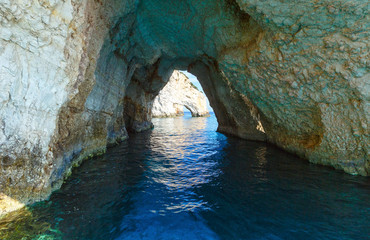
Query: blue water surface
x: 183, y: 180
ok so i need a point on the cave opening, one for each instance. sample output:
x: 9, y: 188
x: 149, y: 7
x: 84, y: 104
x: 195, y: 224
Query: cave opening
x: 195, y: 83
x: 182, y: 94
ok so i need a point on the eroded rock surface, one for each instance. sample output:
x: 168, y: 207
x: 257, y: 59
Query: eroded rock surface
x: 177, y: 93
x: 74, y: 75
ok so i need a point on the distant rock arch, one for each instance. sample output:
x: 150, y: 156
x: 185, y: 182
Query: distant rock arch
x: 179, y: 92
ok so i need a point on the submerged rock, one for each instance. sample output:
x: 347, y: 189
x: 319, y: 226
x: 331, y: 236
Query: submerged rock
x: 179, y: 92
x: 74, y: 75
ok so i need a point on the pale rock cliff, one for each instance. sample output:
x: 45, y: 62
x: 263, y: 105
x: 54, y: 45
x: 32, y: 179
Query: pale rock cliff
x: 177, y: 93
x: 75, y: 74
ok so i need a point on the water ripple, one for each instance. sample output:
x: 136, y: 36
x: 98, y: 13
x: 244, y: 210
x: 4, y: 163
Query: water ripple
x: 185, y: 181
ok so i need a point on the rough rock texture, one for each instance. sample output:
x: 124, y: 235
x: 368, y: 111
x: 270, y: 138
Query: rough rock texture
x: 177, y: 93
x: 47, y: 65
x: 75, y: 74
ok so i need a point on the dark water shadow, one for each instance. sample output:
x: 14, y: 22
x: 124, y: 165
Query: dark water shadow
x: 266, y: 193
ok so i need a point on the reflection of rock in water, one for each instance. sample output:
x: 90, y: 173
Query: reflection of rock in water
x: 177, y: 93
x: 177, y: 166
x: 104, y: 185
x: 194, y: 183
x: 24, y: 224
x: 93, y: 200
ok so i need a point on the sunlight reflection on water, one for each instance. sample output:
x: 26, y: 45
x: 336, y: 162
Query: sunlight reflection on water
x: 183, y: 180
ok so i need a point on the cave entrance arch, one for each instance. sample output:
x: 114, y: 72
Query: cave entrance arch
x: 235, y: 114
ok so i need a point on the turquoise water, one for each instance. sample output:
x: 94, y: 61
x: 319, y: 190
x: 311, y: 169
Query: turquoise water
x: 183, y: 180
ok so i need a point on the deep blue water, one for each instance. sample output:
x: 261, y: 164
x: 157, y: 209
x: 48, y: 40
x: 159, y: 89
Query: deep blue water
x: 183, y: 180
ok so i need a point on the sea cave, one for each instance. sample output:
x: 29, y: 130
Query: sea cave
x: 78, y: 77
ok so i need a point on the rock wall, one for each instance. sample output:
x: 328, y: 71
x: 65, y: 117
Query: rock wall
x: 47, y: 65
x: 75, y: 74
x: 177, y: 93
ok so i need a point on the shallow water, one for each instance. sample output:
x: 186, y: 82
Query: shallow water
x: 183, y: 180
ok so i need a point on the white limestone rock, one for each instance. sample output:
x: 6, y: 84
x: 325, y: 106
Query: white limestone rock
x: 177, y: 93
x: 47, y: 62
x: 34, y: 83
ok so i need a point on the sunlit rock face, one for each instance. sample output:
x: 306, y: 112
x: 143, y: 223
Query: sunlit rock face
x: 74, y: 75
x: 48, y: 55
x: 177, y: 93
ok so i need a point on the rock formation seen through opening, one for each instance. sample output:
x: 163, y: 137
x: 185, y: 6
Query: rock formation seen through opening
x: 178, y: 94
